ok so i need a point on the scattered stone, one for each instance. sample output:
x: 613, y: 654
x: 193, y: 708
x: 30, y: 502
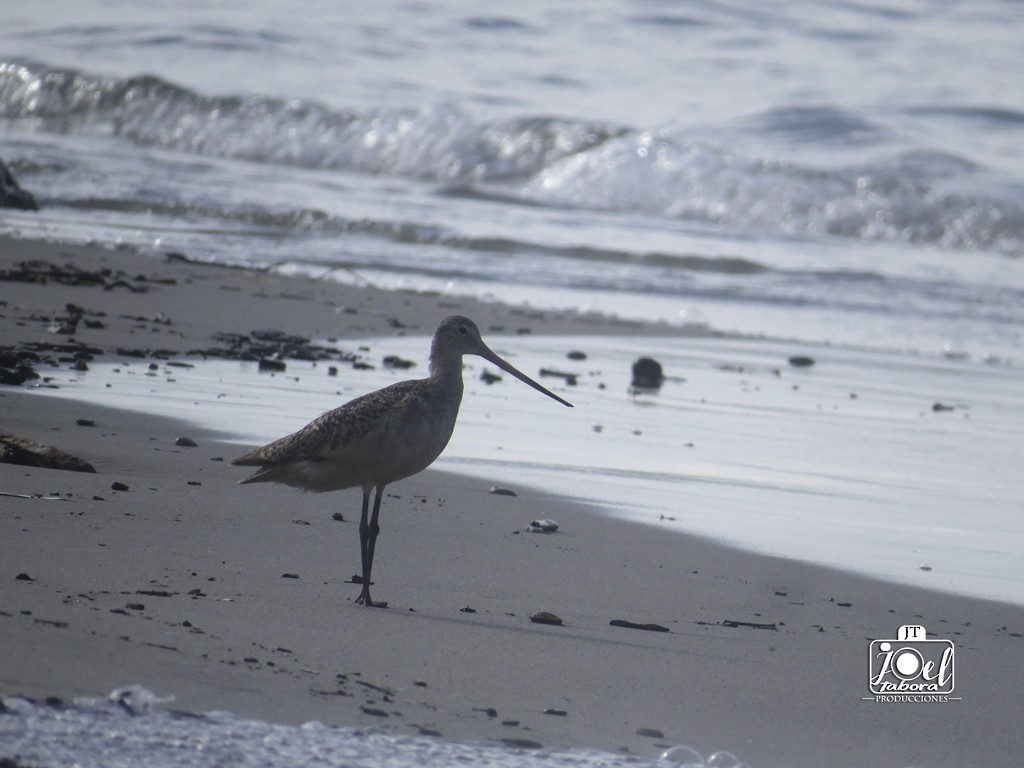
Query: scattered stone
x: 542, y: 526
x: 374, y: 712
x: 289, y: 575
x: 555, y: 712
x: 576, y: 355
x: 489, y: 378
x: 338, y: 516
x: 571, y: 379
x: 633, y: 625
x: 801, y: 361
x: 85, y: 422
x: 116, y: 486
x: 647, y: 374
x: 751, y: 624
x: 543, y: 617
x: 12, y: 195
x: 497, y: 490
x: 398, y: 363
x: 42, y: 272
x: 276, y: 366
x: 186, y: 442
x: 27, y: 453
x: 467, y: 609
x: 489, y: 711
x: 941, y: 407
x: 650, y: 733
x: 23, y: 577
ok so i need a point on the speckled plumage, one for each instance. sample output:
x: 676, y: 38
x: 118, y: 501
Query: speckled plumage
x: 382, y: 436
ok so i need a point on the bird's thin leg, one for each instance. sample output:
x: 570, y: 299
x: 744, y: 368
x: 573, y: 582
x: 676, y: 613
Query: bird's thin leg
x: 368, y: 531
x: 364, y: 542
x: 372, y: 542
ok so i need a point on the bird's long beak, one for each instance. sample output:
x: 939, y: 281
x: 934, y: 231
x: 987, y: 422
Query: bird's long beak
x: 488, y: 355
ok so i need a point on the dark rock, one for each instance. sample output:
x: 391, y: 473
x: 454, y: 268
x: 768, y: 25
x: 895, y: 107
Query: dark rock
x: 731, y: 623
x: 801, y: 361
x: 543, y: 617
x: 571, y: 379
x: 15, y: 377
x: 576, y: 355
x: 394, y: 361
x: 542, y: 526
x: 647, y: 374
x: 12, y: 195
x: 116, y: 486
x: 186, y: 442
x: 633, y: 625
x: 650, y: 733
x: 499, y: 491
x: 27, y: 453
x: 277, y: 366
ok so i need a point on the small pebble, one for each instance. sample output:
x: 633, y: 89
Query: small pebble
x: 186, y: 442
x: 116, y: 486
x: 497, y: 490
x: 542, y: 526
x: 650, y: 733
x: 801, y: 361
x: 543, y: 617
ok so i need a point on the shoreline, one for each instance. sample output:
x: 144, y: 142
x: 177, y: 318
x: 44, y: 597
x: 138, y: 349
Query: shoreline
x: 264, y: 645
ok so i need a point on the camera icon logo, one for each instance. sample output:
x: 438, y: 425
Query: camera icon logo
x: 910, y: 664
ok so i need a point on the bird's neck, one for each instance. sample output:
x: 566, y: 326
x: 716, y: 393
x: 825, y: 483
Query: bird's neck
x: 446, y: 368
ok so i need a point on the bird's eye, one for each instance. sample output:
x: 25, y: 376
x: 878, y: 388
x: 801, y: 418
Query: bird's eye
x: 463, y: 330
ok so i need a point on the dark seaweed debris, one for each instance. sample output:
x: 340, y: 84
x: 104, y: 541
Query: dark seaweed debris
x: 43, y: 272
x: 269, y: 345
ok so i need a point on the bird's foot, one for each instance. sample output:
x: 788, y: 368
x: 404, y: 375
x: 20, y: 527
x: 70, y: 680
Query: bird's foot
x: 364, y: 599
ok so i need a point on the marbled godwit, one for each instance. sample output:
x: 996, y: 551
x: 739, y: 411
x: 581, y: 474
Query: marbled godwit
x: 381, y: 437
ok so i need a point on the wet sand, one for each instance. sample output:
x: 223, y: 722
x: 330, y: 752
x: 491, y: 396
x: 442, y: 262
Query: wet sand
x: 237, y: 598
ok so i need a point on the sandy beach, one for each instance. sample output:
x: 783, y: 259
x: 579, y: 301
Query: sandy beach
x: 237, y: 598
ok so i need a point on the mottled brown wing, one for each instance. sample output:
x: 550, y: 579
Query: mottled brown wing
x: 334, y: 429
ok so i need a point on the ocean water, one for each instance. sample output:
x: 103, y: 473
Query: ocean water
x: 849, y: 172
x: 840, y: 178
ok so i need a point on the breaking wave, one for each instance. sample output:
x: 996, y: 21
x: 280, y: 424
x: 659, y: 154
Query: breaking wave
x: 916, y: 195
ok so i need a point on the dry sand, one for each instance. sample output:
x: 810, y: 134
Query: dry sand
x: 236, y: 598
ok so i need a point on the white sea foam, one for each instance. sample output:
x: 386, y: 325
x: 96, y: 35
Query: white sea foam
x: 102, y: 733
